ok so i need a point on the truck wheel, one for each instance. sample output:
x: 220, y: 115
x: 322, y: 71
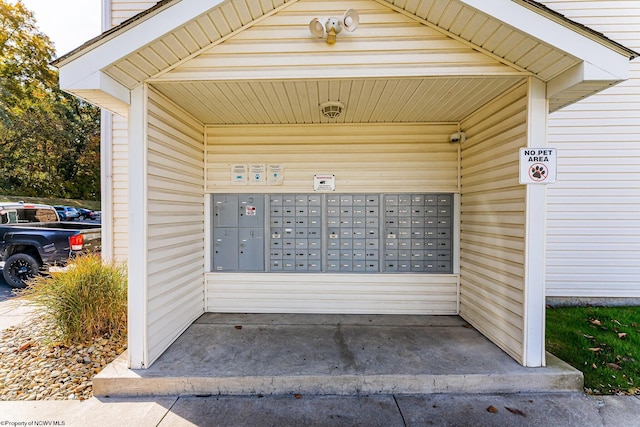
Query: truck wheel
x: 19, y: 268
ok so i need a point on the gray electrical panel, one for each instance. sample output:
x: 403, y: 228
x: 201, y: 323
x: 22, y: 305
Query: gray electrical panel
x: 358, y: 233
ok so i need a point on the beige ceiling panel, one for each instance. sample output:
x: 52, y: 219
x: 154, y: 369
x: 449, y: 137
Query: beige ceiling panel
x: 366, y: 100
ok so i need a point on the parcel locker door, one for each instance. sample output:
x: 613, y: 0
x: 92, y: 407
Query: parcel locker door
x: 225, y: 210
x: 251, y: 249
x: 225, y: 249
x: 251, y: 211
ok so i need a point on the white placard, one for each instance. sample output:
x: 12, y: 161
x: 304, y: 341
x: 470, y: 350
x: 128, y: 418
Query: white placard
x: 257, y: 175
x: 538, y: 165
x: 324, y: 182
x: 275, y: 174
x: 239, y: 174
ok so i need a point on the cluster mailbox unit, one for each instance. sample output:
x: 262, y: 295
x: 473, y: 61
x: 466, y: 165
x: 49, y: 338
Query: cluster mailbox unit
x: 359, y: 233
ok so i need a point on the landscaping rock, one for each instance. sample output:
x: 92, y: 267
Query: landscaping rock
x: 31, y: 368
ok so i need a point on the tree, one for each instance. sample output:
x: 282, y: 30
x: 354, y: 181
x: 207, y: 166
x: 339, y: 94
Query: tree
x: 49, y: 140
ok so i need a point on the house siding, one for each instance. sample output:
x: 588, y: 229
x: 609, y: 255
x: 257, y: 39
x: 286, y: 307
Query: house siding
x: 120, y: 188
x: 121, y: 10
x: 492, y: 222
x: 365, y: 159
x: 390, y: 44
x: 593, y: 219
x: 175, y: 222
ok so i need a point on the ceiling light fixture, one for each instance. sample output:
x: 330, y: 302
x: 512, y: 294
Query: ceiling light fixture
x: 331, y: 109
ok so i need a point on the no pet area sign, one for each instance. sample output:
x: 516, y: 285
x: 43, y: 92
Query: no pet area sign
x: 538, y: 165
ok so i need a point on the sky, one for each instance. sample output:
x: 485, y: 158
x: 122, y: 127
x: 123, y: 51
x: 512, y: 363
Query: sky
x: 68, y: 23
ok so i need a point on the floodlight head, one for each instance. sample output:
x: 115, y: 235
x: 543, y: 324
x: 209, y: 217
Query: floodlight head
x: 332, y: 26
x: 350, y: 20
x: 316, y: 28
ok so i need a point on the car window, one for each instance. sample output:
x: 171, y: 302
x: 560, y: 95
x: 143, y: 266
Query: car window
x: 8, y: 217
x: 27, y: 215
x: 36, y: 215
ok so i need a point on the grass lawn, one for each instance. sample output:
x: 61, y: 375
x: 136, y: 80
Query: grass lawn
x: 89, y: 204
x: 602, y: 342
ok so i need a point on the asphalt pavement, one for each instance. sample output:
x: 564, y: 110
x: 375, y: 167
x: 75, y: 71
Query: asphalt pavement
x: 6, y: 291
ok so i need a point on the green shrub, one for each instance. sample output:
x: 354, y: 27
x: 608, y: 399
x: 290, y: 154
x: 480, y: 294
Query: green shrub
x: 87, y: 301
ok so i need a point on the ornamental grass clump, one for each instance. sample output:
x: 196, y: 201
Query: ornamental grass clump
x: 87, y: 301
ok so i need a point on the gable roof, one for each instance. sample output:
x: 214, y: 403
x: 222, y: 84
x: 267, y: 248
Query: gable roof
x: 573, y: 60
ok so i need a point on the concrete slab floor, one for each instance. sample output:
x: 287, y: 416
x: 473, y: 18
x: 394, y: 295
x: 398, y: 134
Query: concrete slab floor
x: 333, y: 354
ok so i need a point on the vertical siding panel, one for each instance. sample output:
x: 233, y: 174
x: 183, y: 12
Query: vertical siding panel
x: 593, y: 220
x: 175, y: 186
x: 492, y: 221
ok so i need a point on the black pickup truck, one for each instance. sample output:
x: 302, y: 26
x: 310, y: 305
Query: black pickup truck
x: 32, y: 238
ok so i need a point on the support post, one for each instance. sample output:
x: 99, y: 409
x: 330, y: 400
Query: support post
x: 535, y: 235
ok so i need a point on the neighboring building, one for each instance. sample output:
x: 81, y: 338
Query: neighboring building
x: 593, y: 211
x: 210, y: 96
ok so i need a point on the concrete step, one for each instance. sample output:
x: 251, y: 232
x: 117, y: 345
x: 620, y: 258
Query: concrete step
x: 333, y: 355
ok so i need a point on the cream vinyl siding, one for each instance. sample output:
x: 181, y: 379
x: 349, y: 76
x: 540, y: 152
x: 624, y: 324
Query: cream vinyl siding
x: 333, y: 293
x: 492, y: 222
x: 175, y: 222
x: 365, y: 159
x: 121, y: 10
x: 386, y: 43
x: 120, y: 190
x: 593, y: 219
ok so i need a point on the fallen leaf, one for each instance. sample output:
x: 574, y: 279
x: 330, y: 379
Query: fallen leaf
x: 23, y: 347
x: 594, y: 349
x: 298, y: 396
x: 238, y: 327
x: 622, y: 335
x: 595, y: 322
x: 492, y: 409
x: 588, y: 336
x: 616, y: 322
x: 515, y: 411
x: 593, y: 365
x: 614, y: 366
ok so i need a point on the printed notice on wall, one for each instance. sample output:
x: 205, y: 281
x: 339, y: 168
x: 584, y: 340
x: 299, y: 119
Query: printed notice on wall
x: 257, y: 175
x: 538, y: 165
x: 275, y: 175
x: 239, y: 174
x: 324, y: 182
